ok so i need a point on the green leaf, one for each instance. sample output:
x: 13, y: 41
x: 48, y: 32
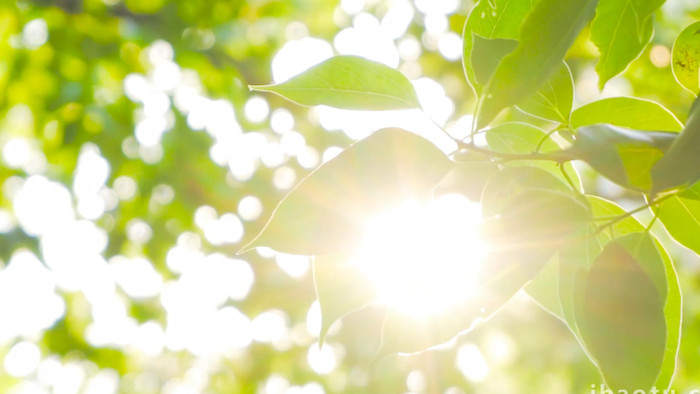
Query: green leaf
x: 523, y: 138
x: 487, y: 53
x: 685, y: 57
x: 673, y: 312
x: 544, y: 289
x: 505, y: 185
x: 490, y: 19
x: 554, y: 99
x: 680, y: 214
x: 341, y: 288
x: 538, y: 218
x: 606, y: 209
x: 630, y: 112
x: 680, y: 166
x: 621, y: 30
x: 622, y: 155
x: 544, y: 41
x: 620, y: 315
x: 348, y: 82
x: 327, y: 211
x: 575, y: 260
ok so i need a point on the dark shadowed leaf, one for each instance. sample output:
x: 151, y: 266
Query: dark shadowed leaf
x: 553, y: 288
x: 639, y: 245
x: 620, y: 316
x: 630, y: 112
x: 680, y: 166
x: 543, y: 43
x: 327, y: 211
x: 622, y: 155
x: 348, y: 82
x: 621, y: 30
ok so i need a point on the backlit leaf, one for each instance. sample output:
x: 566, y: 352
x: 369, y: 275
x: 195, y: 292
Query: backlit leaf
x: 680, y: 214
x: 621, y: 30
x: 327, y: 211
x: 490, y: 19
x: 685, y: 57
x: 505, y: 185
x: 523, y: 138
x: 543, y: 43
x: 554, y: 99
x: 487, y: 53
x: 348, y: 82
x: 341, y: 288
x: 630, y: 112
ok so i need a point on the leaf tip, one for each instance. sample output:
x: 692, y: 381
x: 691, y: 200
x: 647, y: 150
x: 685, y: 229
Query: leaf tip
x: 249, y: 246
x: 260, y: 88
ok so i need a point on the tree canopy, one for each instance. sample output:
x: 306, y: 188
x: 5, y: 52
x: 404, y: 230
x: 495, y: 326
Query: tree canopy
x: 349, y: 196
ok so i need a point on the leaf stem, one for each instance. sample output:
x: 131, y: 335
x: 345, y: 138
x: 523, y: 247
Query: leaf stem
x: 627, y: 214
x: 560, y: 157
x: 548, y: 136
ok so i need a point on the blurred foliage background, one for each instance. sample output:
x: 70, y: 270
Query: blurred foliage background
x: 134, y: 163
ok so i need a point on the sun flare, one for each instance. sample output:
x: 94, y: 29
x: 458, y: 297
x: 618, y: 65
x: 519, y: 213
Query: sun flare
x: 424, y: 257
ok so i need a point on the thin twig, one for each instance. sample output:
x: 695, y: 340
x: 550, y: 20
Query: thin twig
x: 561, y: 156
x: 627, y: 214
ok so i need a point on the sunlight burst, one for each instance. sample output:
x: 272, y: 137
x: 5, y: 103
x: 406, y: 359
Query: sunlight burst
x: 424, y: 258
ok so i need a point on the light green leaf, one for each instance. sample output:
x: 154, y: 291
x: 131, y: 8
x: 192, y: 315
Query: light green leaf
x: 341, y: 288
x: 606, y: 209
x: 620, y: 314
x: 680, y: 165
x: 673, y: 312
x: 523, y: 138
x: 505, y: 185
x: 348, y: 82
x: 554, y: 99
x: 487, y: 53
x: 621, y: 30
x: 680, y: 214
x: 544, y: 289
x: 685, y: 57
x: 327, y: 211
x: 490, y: 19
x: 630, y: 112
x: 622, y: 155
x: 543, y: 43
